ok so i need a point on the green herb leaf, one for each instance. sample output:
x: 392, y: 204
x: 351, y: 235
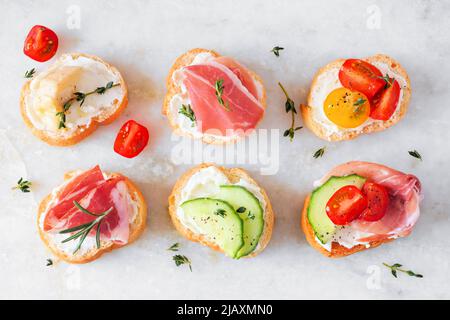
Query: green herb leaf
x: 49, y: 262
x: 30, y: 73
x: 289, y: 106
x: 23, y: 185
x: 415, y: 154
x: 220, y: 212
x: 174, y: 247
x: 319, y: 153
x: 180, y: 260
x: 359, y: 101
x: 251, y: 216
x: 388, y: 81
x: 187, y: 111
x: 241, y: 210
x: 219, y: 91
x: 395, y: 268
x: 85, y: 229
x: 276, y: 50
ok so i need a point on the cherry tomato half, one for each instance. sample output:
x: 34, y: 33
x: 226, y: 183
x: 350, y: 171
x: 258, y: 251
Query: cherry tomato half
x: 41, y: 44
x: 359, y: 75
x: 377, y: 202
x: 385, y: 103
x: 346, y: 205
x: 131, y: 139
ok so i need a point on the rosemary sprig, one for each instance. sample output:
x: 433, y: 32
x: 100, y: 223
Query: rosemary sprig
x: 187, y: 111
x: 415, y: 154
x: 84, y: 229
x: 81, y: 97
x: 396, y: 268
x: 290, y: 107
x: 30, y: 73
x: 220, y: 212
x: 319, y: 153
x: 23, y: 185
x: 180, y: 259
x: 276, y: 50
x: 219, y: 91
x: 49, y: 262
x: 174, y: 247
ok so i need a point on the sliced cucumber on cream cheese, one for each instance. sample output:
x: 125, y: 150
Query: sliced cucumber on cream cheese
x: 219, y: 221
x: 323, y: 227
x: 248, y: 207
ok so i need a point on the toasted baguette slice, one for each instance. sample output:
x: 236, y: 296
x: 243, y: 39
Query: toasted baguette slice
x: 110, y: 113
x: 234, y: 175
x: 173, y: 89
x: 137, y: 227
x: 320, y: 131
x: 337, y: 250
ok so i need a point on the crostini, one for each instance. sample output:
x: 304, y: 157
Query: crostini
x: 355, y: 96
x: 91, y: 213
x: 66, y: 103
x: 222, y: 208
x: 213, y: 98
x: 360, y: 205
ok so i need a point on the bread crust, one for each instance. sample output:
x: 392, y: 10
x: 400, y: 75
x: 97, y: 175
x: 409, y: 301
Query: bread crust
x: 320, y: 131
x: 137, y: 227
x: 172, y: 89
x: 337, y: 250
x: 83, y: 131
x: 234, y: 175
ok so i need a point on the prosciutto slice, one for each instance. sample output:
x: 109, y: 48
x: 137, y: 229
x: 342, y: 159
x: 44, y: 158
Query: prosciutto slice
x: 243, y: 110
x: 96, y: 194
x: 404, y: 192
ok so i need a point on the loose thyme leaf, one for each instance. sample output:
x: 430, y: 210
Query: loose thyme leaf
x: 250, y: 215
x: 415, y: 154
x: 23, y: 185
x: 359, y: 101
x: 174, y: 247
x: 395, y: 268
x: 30, y: 73
x: 289, y: 106
x: 80, y: 97
x: 187, y: 111
x: 49, y: 262
x: 276, y: 50
x: 179, y: 260
x: 220, y: 212
x: 319, y: 153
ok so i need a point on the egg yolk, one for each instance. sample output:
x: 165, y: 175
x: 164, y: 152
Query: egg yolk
x: 346, y: 108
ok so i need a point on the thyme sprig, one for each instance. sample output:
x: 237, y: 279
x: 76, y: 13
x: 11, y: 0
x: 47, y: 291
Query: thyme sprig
x: 276, y: 50
x: 84, y: 229
x: 319, y: 153
x: 396, y: 268
x: 81, y: 97
x: 219, y: 92
x: 415, y: 154
x: 30, y: 73
x: 23, y: 185
x: 290, y: 107
x: 180, y: 260
x: 187, y: 111
x: 388, y: 81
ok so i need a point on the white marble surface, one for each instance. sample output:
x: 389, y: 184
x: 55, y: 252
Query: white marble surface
x: 142, y: 38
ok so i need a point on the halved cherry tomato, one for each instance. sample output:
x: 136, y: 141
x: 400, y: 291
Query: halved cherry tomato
x: 131, y: 139
x: 345, y: 205
x: 385, y: 103
x: 377, y: 202
x: 41, y: 44
x: 359, y: 75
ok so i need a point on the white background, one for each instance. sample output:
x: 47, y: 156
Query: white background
x: 142, y: 38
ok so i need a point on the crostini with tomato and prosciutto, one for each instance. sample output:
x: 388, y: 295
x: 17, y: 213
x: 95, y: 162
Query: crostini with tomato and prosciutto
x: 355, y: 96
x: 67, y: 102
x: 91, y: 213
x: 213, y: 98
x: 360, y: 205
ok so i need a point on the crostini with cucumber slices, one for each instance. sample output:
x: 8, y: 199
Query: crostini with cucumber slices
x: 355, y: 96
x: 91, y: 213
x: 67, y: 102
x: 222, y: 208
x: 360, y: 205
x: 213, y: 98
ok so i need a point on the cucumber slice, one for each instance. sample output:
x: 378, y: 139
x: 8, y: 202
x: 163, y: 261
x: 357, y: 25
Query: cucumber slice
x: 249, y: 209
x: 218, y: 220
x: 323, y: 227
